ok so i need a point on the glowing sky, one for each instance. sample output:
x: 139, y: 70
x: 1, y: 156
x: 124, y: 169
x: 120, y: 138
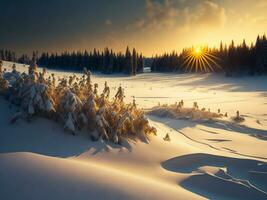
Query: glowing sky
x: 152, y: 26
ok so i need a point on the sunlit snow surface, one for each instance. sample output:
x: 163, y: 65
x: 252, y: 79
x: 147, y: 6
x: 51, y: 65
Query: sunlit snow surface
x: 214, y: 160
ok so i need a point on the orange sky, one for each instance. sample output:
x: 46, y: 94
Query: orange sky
x: 201, y: 22
x: 151, y: 26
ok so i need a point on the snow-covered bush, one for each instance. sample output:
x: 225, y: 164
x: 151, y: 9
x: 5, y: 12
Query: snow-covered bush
x: 167, y: 137
x: 30, y: 91
x: 178, y: 111
x: 70, y: 106
x: 3, y: 82
x: 12, y: 77
x: 76, y: 104
x: 238, y: 118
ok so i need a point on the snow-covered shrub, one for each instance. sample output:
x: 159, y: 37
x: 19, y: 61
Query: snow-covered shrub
x: 178, y: 111
x: 76, y: 104
x: 13, y: 76
x: 238, y: 118
x: 167, y: 137
x: 30, y: 91
x: 3, y: 82
x: 106, y: 90
x: 39, y: 99
x: 70, y: 106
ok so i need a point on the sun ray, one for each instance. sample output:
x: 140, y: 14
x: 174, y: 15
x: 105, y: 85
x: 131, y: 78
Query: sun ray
x: 202, y: 63
x: 191, y: 61
x: 211, y: 60
x: 208, y: 64
x: 197, y: 64
x: 194, y: 65
x: 188, y: 57
x: 215, y: 57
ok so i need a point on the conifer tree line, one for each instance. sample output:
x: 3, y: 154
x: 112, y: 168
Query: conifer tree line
x: 234, y: 59
x: 106, y: 61
x: 8, y: 55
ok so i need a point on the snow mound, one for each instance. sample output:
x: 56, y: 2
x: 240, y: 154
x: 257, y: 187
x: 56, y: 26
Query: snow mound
x: 224, y: 177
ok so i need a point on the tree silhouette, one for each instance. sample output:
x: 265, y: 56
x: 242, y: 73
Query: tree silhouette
x: 233, y: 60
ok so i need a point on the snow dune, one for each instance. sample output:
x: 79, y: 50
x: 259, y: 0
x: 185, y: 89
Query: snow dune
x: 53, y: 178
x: 222, y: 175
x: 216, y: 160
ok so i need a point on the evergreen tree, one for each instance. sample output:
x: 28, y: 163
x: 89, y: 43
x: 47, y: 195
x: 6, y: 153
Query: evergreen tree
x: 128, y: 62
x: 134, y: 66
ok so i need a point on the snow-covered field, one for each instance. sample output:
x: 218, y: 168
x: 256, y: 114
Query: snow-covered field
x: 214, y: 160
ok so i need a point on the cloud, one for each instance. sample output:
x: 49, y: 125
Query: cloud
x: 158, y: 15
x: 108, y: 22
x: 207, y: 14
x: 171, y: 14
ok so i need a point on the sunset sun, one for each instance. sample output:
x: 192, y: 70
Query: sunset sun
x: 200, y: 59
x: 197, y: 51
